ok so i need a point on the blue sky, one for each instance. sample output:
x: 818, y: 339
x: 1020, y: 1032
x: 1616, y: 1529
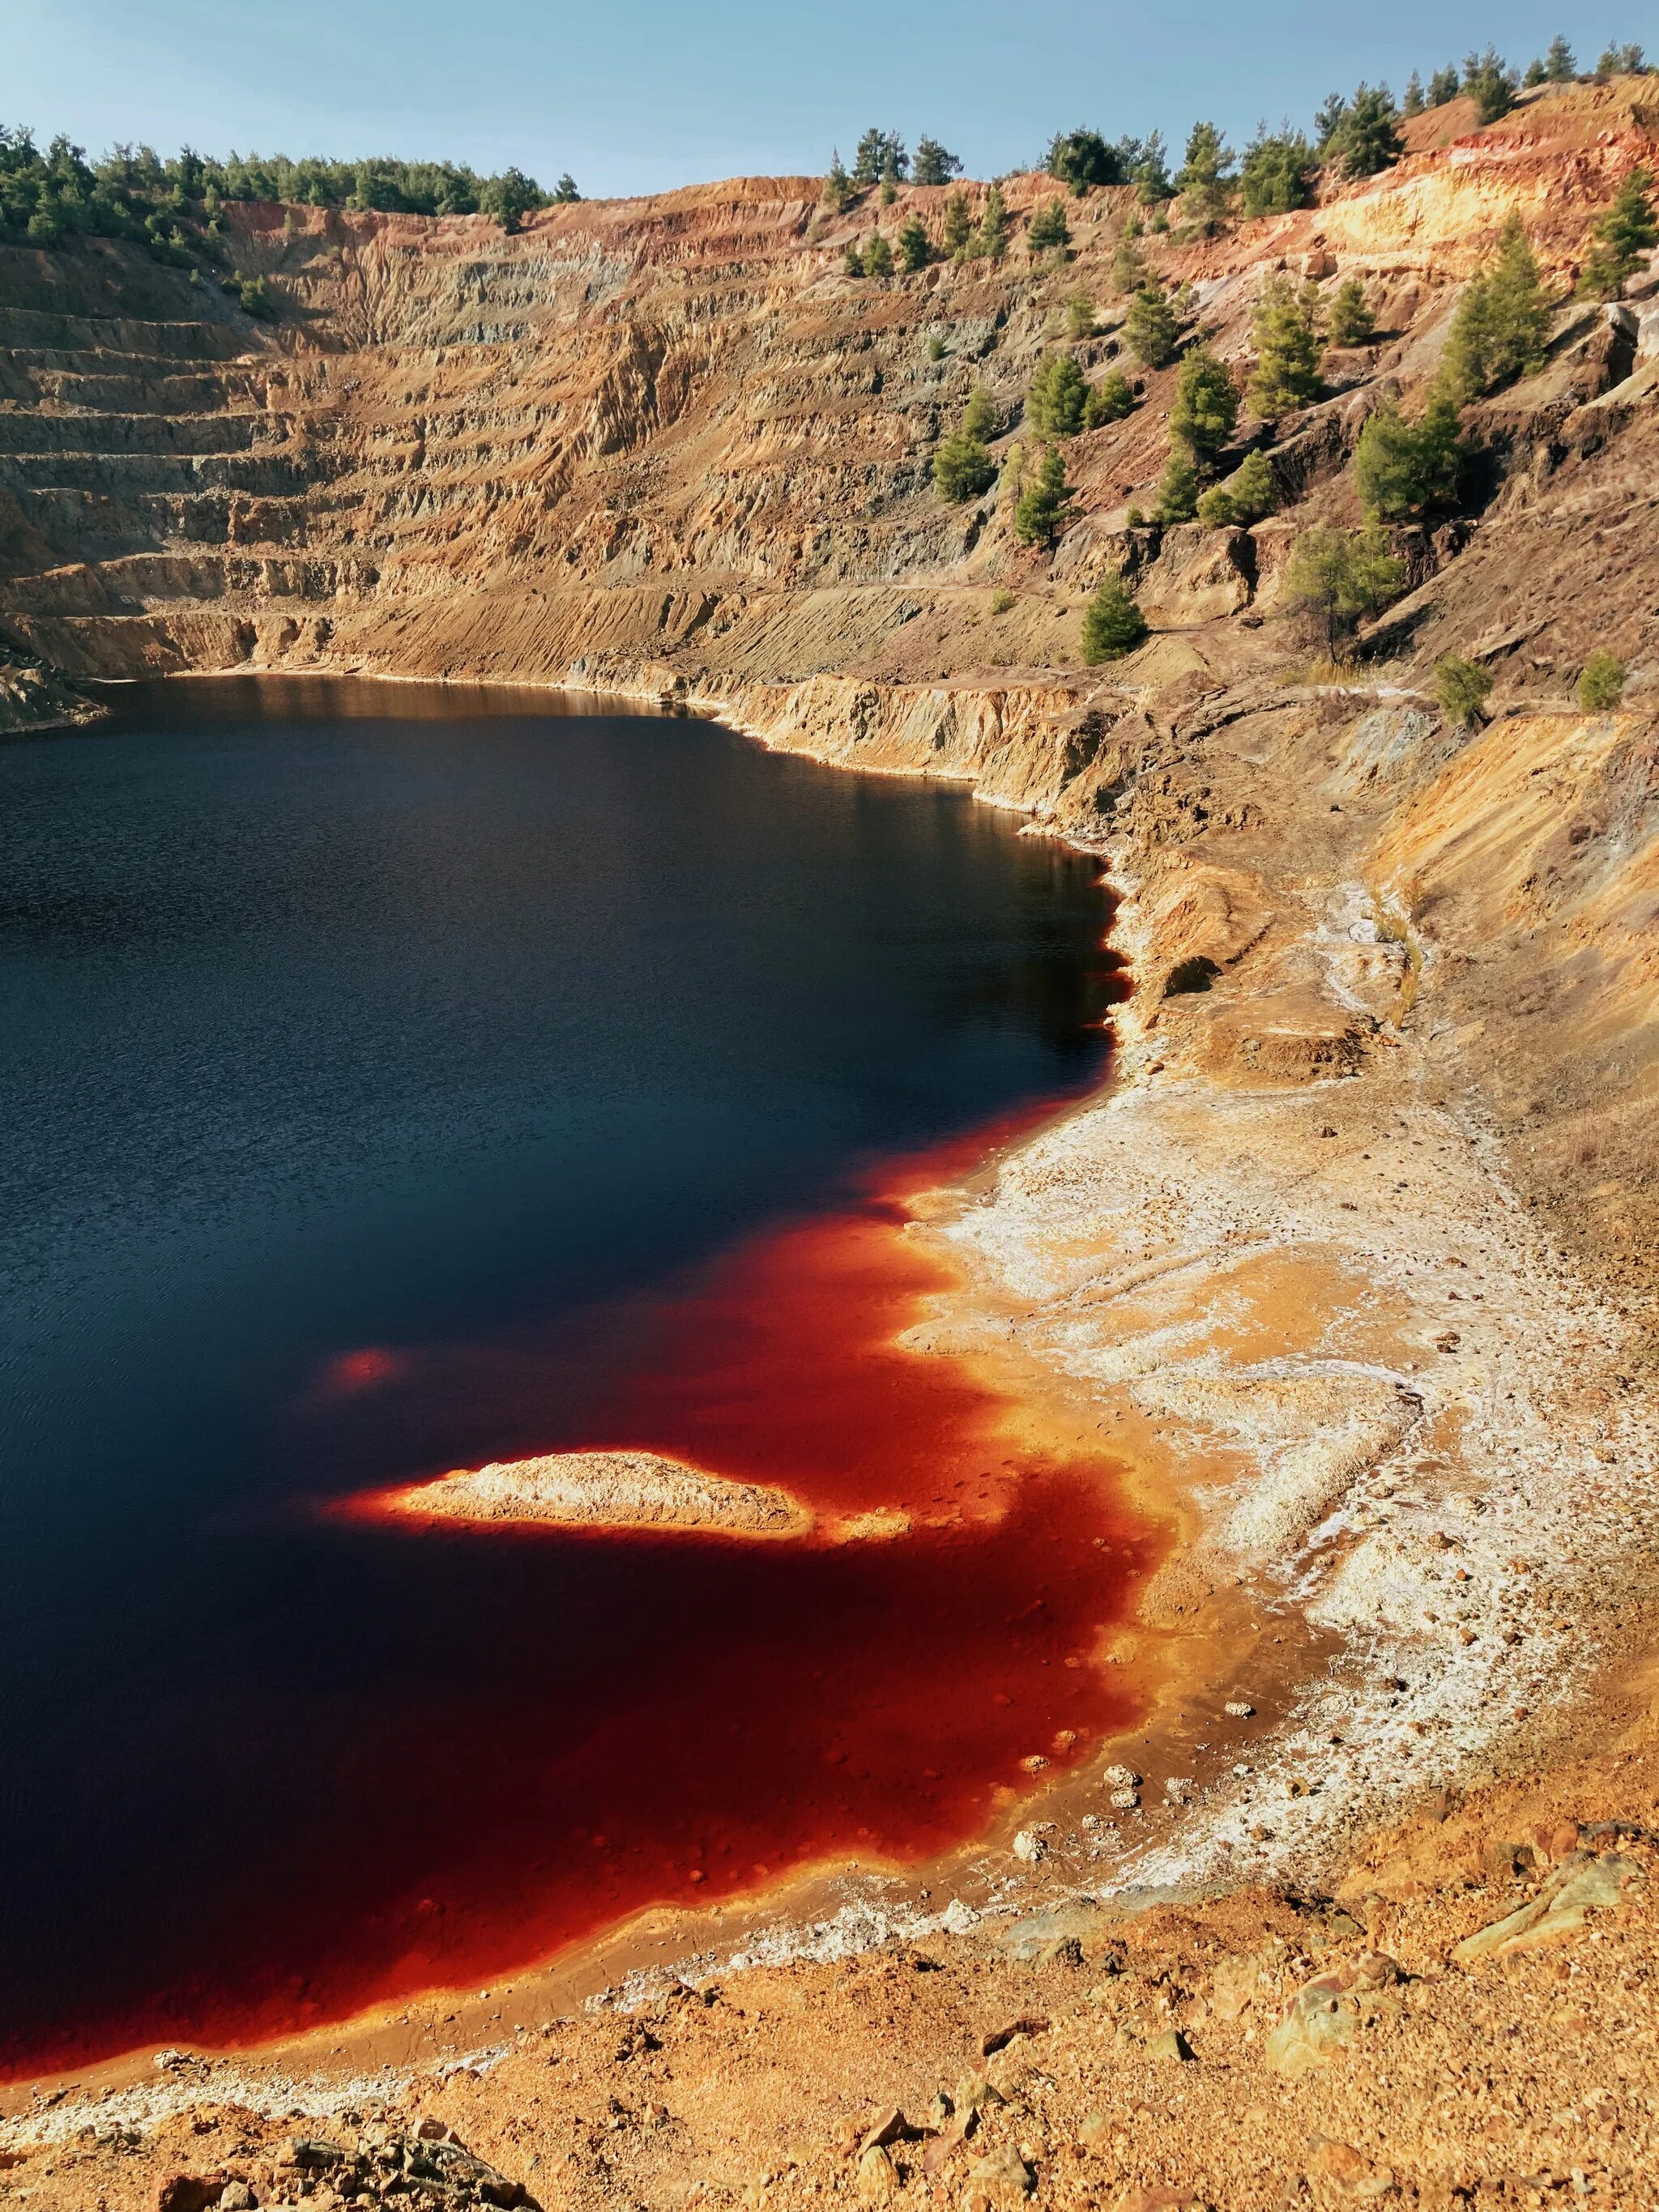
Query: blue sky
x: 633, y: 95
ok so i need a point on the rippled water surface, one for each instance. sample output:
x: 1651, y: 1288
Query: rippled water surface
x: 394, y: 1081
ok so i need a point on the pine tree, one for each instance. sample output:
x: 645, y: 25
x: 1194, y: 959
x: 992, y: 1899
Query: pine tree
x: 1205, y: 406
x: 958, y: 224
x: 1276, y: 174
x: 1413, y: 103
x: 1204, y: 178
x: 1351, y: 321
x: 1287, y: 352
x: 1048, y: 227
x: 934, y: 164
x: 1535, y: 75
x: 1080, y: 316
x: 1252, y: 490
x: 915, y: 248
x: 877, y: 257
x: 1177, y: 488
x: 880, y: 154
x: 962, y: 468
x: 1404, y: 468
x: 1337, y: 578
x: 1054, y: 403
x: 1366, y: 139
x: 1149, y: 329
x: 1083, y: 158
x: 1445, y: 84
x: 1129, y: 272
x: 852, y: 261
x: 1045, y: 507
x: 1113, y: 624
x: 838, y: 185
x: 565, y: 191
x: 1559, y: 67
x: 1491, y: 83
x: 1215, y: 510
x: 979, y: 418
x: 1501, y: 324
x: 1624, y: 236
x: 1108, y: 401
x: 991, y: 239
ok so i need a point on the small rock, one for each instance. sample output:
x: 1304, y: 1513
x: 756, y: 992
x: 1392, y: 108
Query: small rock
x: 1235, y: 1709
x: 876, y: 2180
x: 1125, y: 1800
x: 891, y: 2128
x: 1095, y: 2131
x: 1121, y: 1778
x: 188, y: 2192
x: 1178, y: 1789
x: 1029, y: 1846
x: 1337, y: 2162
x: 1034, y: 1762
x: 1172, y: 2044
x: 998, y: 2182
x: 1000, y: 2037
x: 237, y: 2197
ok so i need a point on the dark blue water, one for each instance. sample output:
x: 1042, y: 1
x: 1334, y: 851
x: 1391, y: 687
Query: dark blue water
x: 336, y: 1017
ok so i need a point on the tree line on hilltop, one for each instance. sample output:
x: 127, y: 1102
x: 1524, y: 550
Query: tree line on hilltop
x: 51, y: 196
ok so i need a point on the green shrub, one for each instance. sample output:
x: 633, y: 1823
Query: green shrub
x: 1003, y: 603
x: 1403, y: 468
x: 1253, y: 489
x: 1150, y: 330
x: 1048, y: 228
x: 963, y: 468
x: 1601, y: 683
x: 1350, y: 322
x: 1108, y: 401
x: 990, y: 239
x: 1462, y: 688
x: 915, y: 248
x: 1177, y: 488
x: 1206, y: 405
x: 979, y: 418
x: 877, y: 257
x: 1083, y: 158
x: 1215, y: 510
x: 1079, y: 317
x: 1113, y: 623
x: 1338, y: 578
x: 1625, y: 234
x: 1045, y: 507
